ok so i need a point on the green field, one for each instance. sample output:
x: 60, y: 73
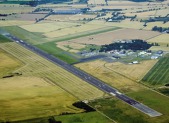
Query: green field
x: 156, y: 101
x: 90, y: 117
x: 52, y: 49
x: 4, y: 39
x: 123, y: 113
x: 118, y: 111
x: 32, y: 38
x: 159, y: 74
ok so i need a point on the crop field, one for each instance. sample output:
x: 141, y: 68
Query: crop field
x: 80, y: 28
x: 156, y: 48
x: 69, y: 45
x: 32, y: 97
x: 134, y: 71
x: 96, y: 2
x: 159, y: 74
x: 162, y: 39
x: 14, y: 23
x: 15, y: 8
x: 109, y: 37
x: 76, y: 17
x: 128, y: 24
x: 7, y: 64
x: 159, y: 24
x: 38, y: 69
x: 30, y: 17
x: 132, y: 89
x: 37, y: 66
x: 55, y: 30
x: 98, y: 69
x: 48, y: 27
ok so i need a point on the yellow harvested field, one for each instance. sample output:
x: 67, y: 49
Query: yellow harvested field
x: 162, y: 39
x: 156, y: 48
x: 98, y: 69
x: 163, y: 12
x: 134, y: 71
x: 73, y: 30
x: 158, y: 24
x: 7, y: 64
x: 48, y: 27
x: 32, y: 97
x: 109, y: 37
x: 138, y: 24
x: 14, y: 23
x: 62, y: 5
x: 70, y: 45
x: 30, y: 17
x: 22, y: 82
x: 40, y: 67
x: 44, y: 89
x: 15, y: 8
x: 69, y: 17
x: 96, y: 2
x: 142, y: 14
x: 128, y: 24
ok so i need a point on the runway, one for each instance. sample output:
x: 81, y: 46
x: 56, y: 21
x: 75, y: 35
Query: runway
x: 87, y: 78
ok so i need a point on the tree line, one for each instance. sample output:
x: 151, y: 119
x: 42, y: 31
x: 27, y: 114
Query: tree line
x: 135, y: 44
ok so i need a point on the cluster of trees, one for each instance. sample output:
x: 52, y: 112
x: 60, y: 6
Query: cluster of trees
x: 160, y: 29
x: 136, y: 44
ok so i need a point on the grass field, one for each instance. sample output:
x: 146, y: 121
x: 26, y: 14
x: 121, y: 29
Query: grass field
x: 29, y: 96
x: 159, y: 74
x: 155, y: 101
x: 4, y: 39
x: 90, y: 117
x: 123, y: 113
x: 109, y: 37
x: 32, y: 38
x: 52, y: 49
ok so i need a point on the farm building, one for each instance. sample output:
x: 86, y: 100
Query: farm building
x: 154, y: 57
x: 67, y: 12
x: 159, y: 52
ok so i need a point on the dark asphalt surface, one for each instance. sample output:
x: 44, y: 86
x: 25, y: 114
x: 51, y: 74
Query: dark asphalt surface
x: 87, y: 78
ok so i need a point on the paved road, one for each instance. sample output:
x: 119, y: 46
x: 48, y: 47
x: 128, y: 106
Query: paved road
x: 87, y: 78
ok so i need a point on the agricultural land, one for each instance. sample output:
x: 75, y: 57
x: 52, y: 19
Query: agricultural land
x: 92, y: 36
